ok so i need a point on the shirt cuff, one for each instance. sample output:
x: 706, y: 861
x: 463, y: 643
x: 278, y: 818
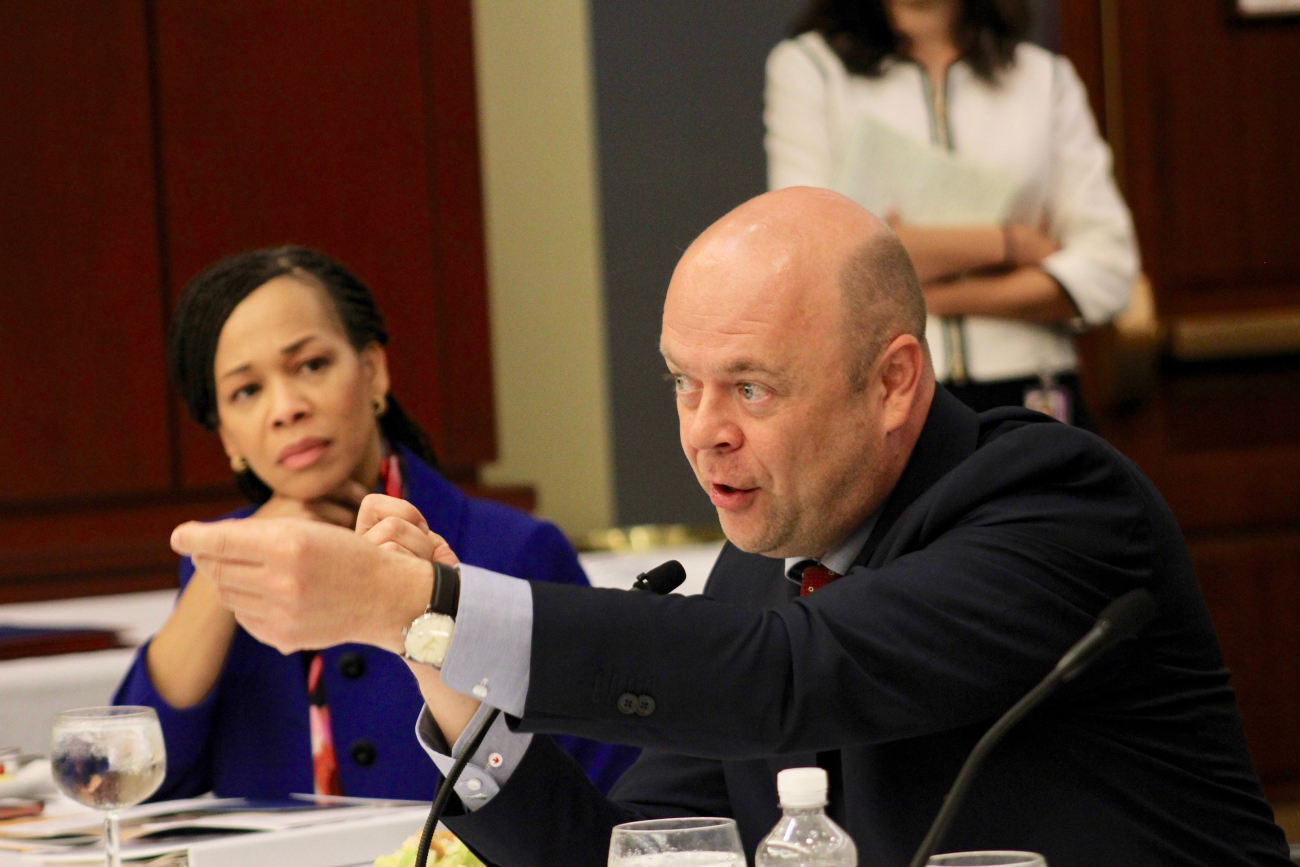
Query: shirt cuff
x: 491, y: 765
x: 491, y: 648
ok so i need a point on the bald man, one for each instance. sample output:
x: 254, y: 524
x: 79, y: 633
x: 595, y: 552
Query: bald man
x: 973, y: 552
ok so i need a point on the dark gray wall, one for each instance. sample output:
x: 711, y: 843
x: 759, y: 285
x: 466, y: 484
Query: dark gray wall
x: 679, y: 109
x: 679, y: 104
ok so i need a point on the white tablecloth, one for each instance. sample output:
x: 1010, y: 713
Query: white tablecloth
x: 32, y: 691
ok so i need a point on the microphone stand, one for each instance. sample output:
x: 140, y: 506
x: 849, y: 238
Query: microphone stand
x: 448, y: 784
x: 1121, y: 619
x: 661, y: 580
x: 957, y: 793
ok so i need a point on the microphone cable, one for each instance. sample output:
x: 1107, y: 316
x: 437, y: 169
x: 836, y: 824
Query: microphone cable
x: 1121, y: 619
x: 448, y: 784
x: 660, y: 580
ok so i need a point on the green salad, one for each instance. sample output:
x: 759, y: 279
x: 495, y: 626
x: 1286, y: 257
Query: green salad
x: 444, y: 851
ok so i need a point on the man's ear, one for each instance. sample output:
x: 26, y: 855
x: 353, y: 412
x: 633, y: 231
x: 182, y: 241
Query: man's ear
x: 374, y: 361
x: 900, y: 370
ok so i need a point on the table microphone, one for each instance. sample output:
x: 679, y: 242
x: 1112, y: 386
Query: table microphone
x: 661, y: 580
x: 1121, y: 619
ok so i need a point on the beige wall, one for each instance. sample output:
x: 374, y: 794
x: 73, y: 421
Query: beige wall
x: 539, y: 172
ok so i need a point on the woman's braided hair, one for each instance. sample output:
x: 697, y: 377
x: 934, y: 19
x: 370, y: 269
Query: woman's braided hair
x: 210, y: 298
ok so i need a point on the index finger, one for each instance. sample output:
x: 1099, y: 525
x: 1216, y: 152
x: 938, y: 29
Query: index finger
x: 377, y: 507
x: 226, y: 541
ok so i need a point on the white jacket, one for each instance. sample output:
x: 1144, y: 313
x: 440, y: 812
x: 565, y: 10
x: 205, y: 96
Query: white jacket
x: 1034, y: 126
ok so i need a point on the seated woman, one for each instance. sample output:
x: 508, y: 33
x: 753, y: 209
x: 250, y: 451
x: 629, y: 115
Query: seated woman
x: 281, y: 352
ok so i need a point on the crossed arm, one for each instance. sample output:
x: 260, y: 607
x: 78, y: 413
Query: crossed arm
x: 986, y: 271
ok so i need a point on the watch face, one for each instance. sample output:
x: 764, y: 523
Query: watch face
x: 428, y: 638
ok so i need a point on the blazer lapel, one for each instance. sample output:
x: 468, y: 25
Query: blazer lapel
x: 950, y: 435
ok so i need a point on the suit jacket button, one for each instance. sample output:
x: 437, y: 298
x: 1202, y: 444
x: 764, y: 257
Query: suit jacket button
x: 645, y: 705
x: 363, y: 752
x: 627, y: 703
x: 352, y: 665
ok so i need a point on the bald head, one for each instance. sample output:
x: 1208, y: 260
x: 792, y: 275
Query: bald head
x: 804, y: 246
x: 794, y: 333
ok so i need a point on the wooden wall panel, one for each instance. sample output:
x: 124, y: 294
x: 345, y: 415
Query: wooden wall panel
x: 1081, y: 41
x: 1201, y: 109
x: 96, y: 547
x: 1251, y: 583
x: 372, y: 108
x: 1222, y: 443
x: 303, y: 122
x: 148, y: 138
x: 83, y: 407
x: 455, y: 191
x: 1210, y: 123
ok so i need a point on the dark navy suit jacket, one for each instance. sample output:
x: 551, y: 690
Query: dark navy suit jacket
x: 250, y: 737
x: 1003, y: 540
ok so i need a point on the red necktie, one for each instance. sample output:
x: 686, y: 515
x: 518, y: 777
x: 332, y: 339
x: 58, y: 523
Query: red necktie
x: 815, y: 577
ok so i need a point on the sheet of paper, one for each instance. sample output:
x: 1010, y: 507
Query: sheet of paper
x: 365, y: 834
x: 74, y: 818
x: 885, y: 170
x: 201, y: 814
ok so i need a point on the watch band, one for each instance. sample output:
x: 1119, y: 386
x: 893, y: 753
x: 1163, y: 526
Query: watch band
x: 445, y: 598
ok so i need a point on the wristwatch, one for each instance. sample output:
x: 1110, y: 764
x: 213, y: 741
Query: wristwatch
x: 429, y: 635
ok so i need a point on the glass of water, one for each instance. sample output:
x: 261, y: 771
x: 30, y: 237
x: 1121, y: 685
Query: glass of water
x: 688, y: 842
x: 108, y: 758
x: 988, y: 859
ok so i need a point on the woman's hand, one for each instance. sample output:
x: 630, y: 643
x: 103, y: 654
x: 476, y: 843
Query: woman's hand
x: 338, y: 507
x: 945, y: 253
x: 1027, y: 293
x: 396, y: 525
x: 1027, y: 245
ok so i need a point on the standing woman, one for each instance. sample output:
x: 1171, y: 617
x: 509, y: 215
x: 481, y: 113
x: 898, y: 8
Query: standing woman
x: 957, y: 75
x: 281, y: 353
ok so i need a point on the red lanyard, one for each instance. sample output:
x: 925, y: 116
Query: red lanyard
x: 324, y: 762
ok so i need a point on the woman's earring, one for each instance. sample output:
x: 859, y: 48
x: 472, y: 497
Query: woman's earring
x: 239, y: 464
x: 381, y: 406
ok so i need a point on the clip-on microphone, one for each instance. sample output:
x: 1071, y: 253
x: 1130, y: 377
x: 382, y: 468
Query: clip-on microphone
x: 662, y: 579
x: 1121, y: 619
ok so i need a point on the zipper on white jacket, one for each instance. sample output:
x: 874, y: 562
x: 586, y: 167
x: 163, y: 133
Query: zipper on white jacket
x: 954, y: 332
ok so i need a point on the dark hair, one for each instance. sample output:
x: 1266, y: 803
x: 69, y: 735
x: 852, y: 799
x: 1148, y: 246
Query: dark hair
x: 986, y: 33
x: 210, y: 298
x: 882, y: 299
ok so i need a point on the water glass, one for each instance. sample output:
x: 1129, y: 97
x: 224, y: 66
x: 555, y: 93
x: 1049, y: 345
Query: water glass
x: 686, y: 842
x: 988, y: 859
x: 108, y: 758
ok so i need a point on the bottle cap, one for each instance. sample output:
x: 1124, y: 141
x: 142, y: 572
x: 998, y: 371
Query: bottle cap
x: 802, y: 787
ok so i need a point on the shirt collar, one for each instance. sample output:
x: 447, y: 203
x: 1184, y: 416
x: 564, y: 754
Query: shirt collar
x: 840, y: 558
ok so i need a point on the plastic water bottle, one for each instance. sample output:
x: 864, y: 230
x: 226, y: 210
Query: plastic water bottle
x: 805, y: 836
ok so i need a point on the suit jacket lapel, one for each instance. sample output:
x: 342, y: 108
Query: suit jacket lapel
x: 950, y: 435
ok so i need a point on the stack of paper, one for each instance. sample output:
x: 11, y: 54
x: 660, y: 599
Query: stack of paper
x: 231, y: 832
x: 887, y: 171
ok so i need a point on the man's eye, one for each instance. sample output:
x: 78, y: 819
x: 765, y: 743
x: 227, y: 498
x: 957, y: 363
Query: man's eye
x: 750, y: 391
x: 681, y: 383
